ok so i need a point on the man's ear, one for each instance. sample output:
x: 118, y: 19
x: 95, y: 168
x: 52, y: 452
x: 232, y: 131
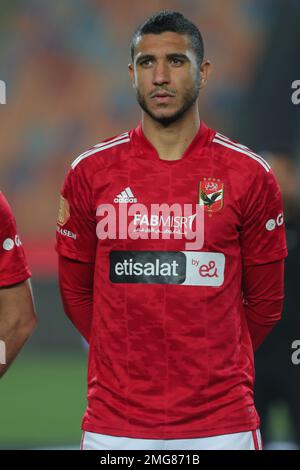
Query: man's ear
x: 131, y: 74
x: 205, y: 70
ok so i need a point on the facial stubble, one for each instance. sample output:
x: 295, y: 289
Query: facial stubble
x: 189, y: 98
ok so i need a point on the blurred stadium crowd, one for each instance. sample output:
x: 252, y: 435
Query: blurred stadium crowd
x: 65, y: 67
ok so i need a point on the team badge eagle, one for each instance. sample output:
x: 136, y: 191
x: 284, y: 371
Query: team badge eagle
x: 211, y: 195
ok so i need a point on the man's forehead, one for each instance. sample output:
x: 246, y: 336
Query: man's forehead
x: 167, y: 42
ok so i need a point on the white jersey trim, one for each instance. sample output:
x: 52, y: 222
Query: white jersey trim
x: 121, y: 139
x: 102, y: 144
x: 233, y: 441
x: 244, y: 147
x: 220, y: 139
x: 121, y: 136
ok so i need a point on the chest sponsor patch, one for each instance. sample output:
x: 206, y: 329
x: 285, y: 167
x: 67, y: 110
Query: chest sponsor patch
x: 188, y: 268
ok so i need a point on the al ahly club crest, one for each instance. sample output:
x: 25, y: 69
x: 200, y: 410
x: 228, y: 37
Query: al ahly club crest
x: 211, y: 194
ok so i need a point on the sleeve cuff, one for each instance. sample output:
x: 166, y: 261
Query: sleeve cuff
x: 15, y: 278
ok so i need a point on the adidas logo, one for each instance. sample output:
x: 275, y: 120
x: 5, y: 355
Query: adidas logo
x: 125, y: 196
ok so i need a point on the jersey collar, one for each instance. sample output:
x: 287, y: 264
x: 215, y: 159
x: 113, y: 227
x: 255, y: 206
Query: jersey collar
x: 148, y: 150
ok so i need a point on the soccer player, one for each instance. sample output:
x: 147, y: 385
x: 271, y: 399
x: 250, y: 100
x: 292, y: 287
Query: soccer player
x: 17, y: 313
x: 171, y: 328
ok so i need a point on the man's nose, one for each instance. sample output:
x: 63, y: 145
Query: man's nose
x: 161, y: 73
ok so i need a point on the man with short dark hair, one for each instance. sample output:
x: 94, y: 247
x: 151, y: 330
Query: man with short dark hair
x: 171, y: 247
x: 17, y: 315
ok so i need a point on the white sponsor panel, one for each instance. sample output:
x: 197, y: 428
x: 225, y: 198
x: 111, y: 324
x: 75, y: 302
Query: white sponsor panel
x: 204, y: 269
x: 190, y: 268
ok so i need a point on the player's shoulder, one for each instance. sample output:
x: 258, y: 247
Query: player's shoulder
x: 3, y: 202
x: 102, y: 150
x: 240, y: 155
x: 5, y: 210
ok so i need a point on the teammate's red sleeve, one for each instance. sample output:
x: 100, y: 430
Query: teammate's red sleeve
x: 263, y: 294
x: 262, y: 235
x: 13, y: 265
x: 76, y: 286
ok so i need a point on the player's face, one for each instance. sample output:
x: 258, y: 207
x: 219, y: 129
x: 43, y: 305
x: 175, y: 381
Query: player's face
x: 166, y: 76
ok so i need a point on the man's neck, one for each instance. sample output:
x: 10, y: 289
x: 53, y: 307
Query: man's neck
x: 171, y: 142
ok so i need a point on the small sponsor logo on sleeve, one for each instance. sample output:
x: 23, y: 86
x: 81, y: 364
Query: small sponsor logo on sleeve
x: 272, y: 223
x: 10, y: 243
x: 66, y: 233
x: 63, y: 211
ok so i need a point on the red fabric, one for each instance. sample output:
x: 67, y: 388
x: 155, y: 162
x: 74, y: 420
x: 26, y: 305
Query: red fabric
x: 170, y: 354
x: 13, y: 265
x: 263, y: 288
x: 76, y: 286
x: 255, y: 440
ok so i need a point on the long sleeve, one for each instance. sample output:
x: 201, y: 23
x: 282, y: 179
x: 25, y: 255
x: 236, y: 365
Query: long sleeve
x: 263, y: 294
x: 76, y: 287
x: 13, y: 264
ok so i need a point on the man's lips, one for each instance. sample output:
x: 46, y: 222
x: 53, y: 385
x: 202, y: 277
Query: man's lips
x: 162, y: 95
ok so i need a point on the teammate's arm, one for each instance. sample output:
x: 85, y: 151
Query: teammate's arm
x: 263, y: 294
x: 76, y: 287
x: 17, y: 320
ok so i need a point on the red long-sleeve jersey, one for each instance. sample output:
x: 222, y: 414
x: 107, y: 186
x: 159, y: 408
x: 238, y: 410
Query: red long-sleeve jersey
x: 171, y: 353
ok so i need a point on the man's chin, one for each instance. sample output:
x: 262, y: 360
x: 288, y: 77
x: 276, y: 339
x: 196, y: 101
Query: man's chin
x: 163, y: 117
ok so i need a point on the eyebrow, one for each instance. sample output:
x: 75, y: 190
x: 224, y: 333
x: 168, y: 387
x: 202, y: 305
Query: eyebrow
x: 173, y: 55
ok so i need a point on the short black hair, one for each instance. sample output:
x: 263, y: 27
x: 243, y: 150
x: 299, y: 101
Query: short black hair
x: 168, y: 20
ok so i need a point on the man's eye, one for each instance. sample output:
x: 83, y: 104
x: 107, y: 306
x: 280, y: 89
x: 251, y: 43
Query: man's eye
x: 176, y: 61
x: 146, y: 62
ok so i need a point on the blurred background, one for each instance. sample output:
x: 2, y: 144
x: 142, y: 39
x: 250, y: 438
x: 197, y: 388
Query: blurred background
x: 65, y: 68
